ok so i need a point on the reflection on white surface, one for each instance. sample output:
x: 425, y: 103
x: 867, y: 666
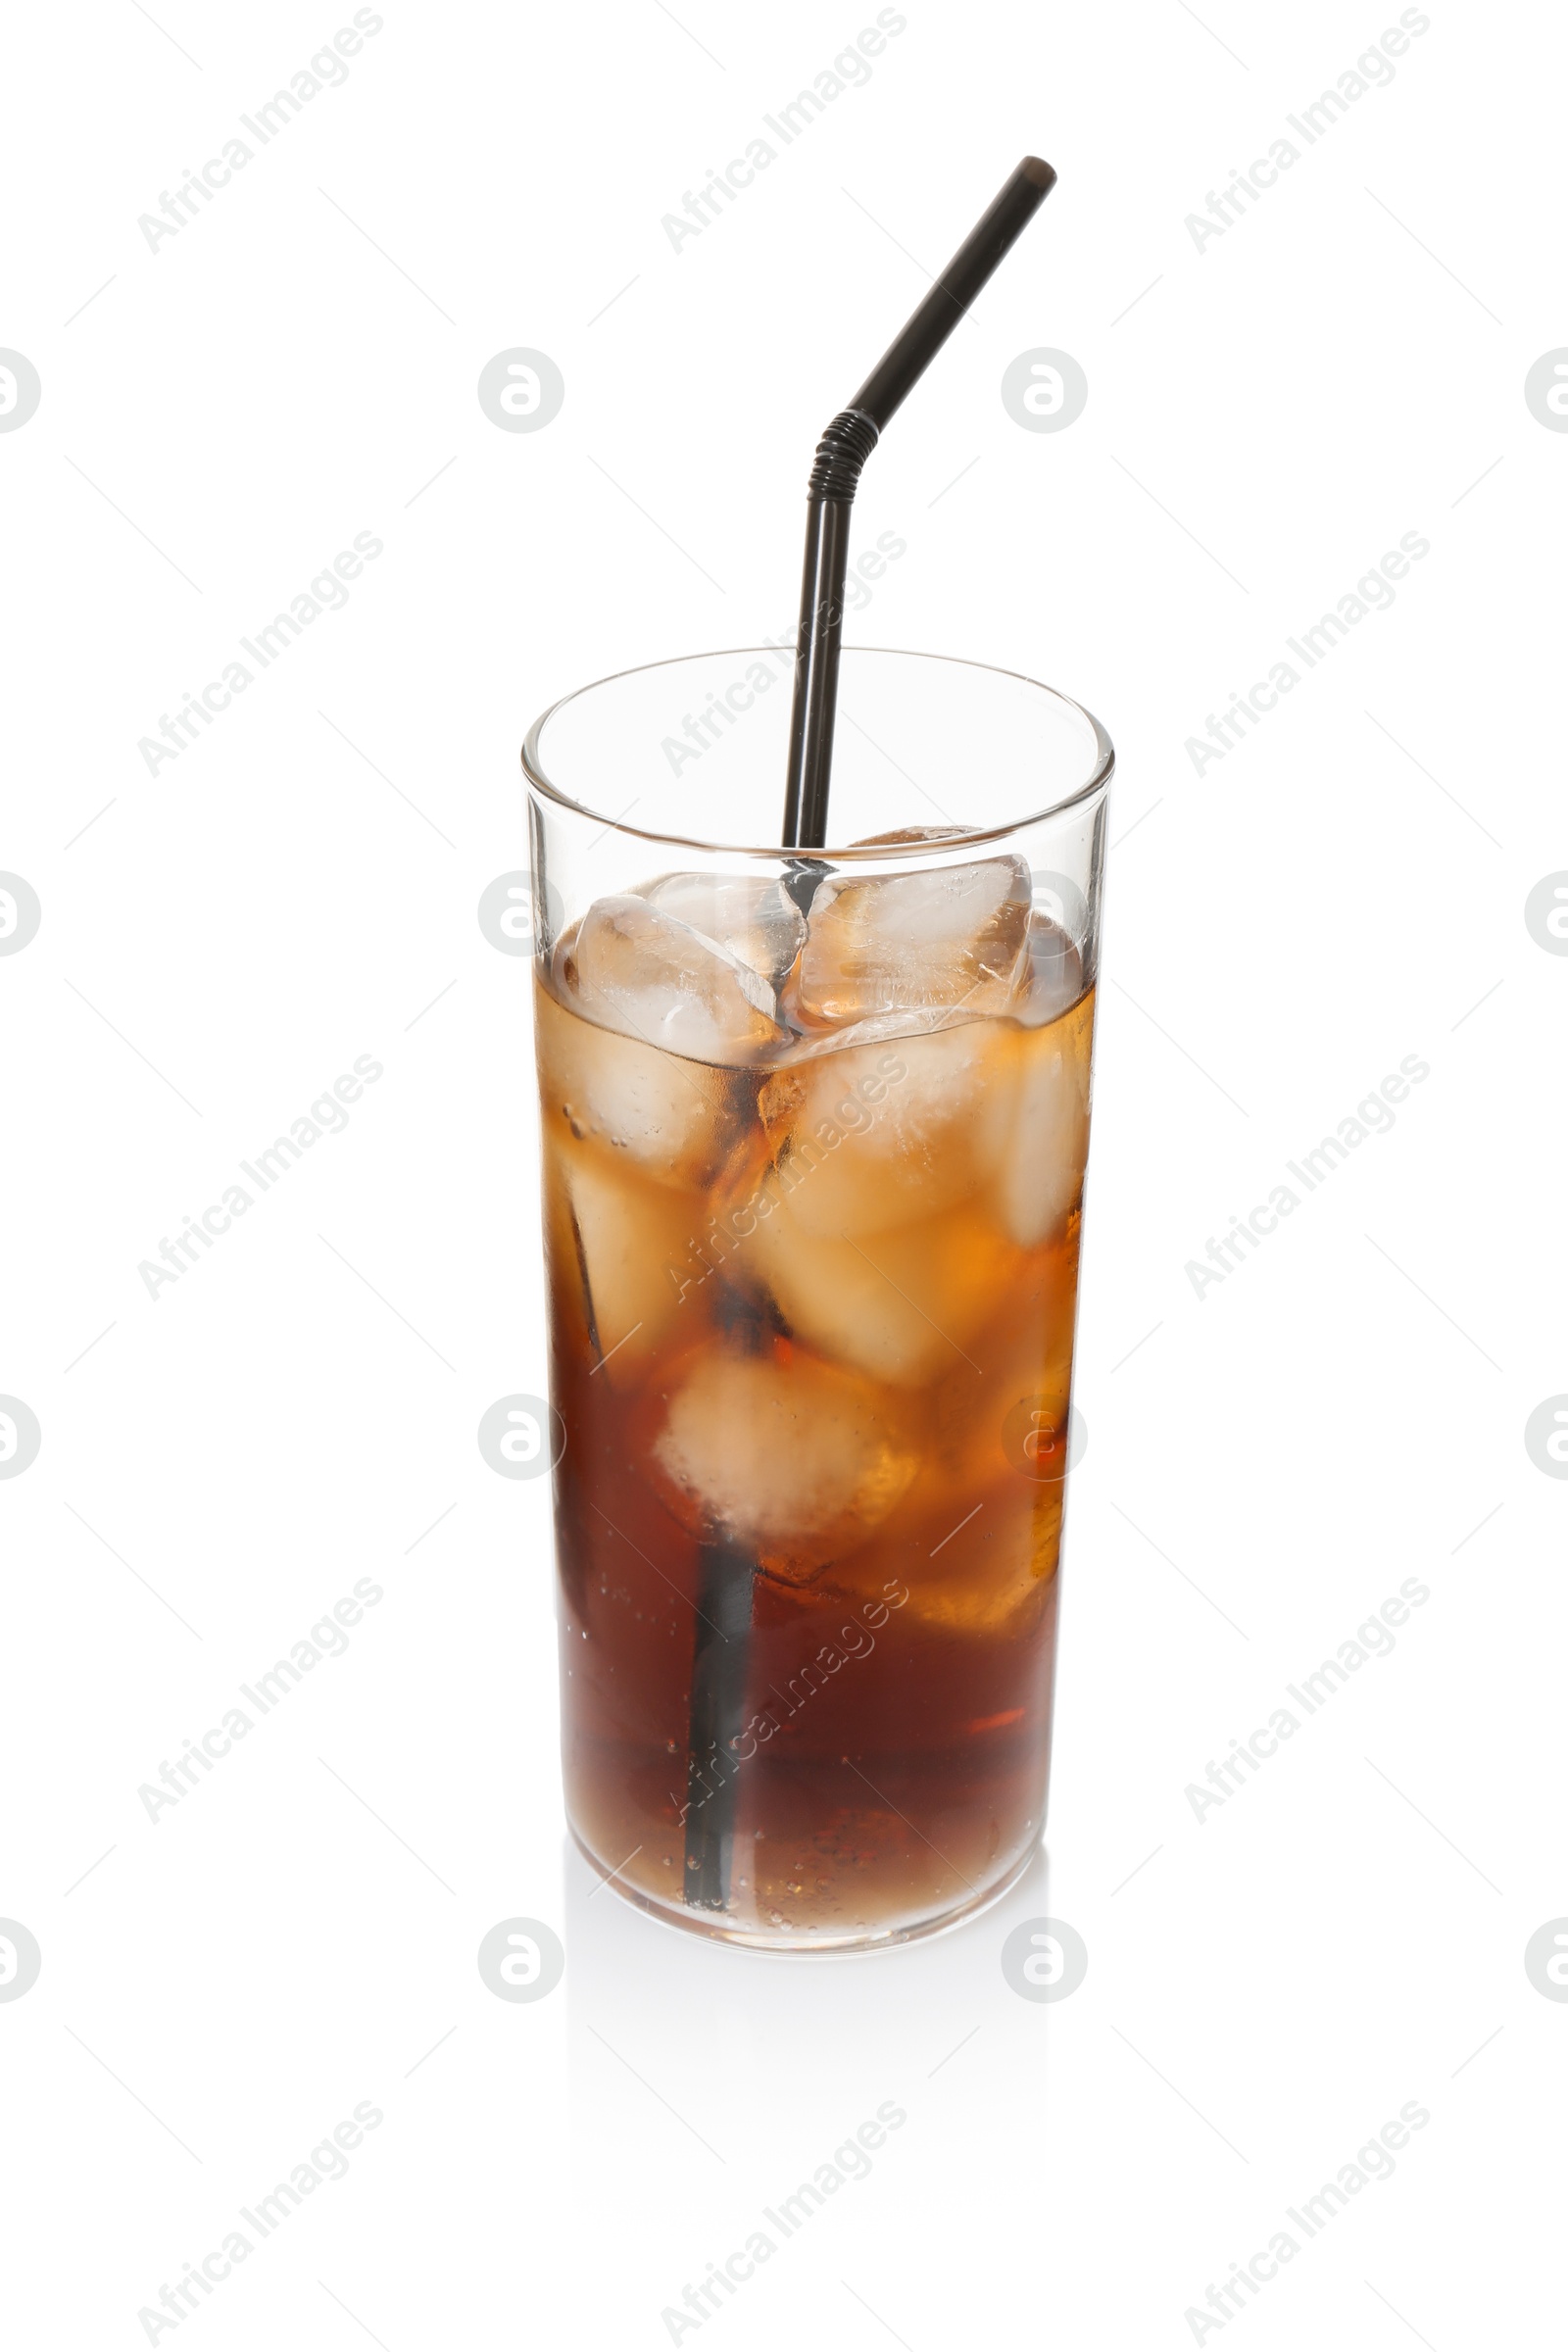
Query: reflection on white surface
x: 789, y: 2117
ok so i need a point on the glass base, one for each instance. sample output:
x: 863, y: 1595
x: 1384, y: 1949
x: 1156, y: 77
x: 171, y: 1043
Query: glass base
x: 720, y: 1930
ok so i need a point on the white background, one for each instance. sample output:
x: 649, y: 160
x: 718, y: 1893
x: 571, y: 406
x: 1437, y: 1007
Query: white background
x: 218, y: 1465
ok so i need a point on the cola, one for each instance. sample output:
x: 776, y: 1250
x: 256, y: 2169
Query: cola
x: 814, y: 1165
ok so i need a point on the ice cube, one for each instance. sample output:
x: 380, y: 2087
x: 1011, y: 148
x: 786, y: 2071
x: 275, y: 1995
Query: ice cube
x: 1053, y: 977
x: 949, y: 936
x: 677, y: 1120
x: 977, y: 1424
x: 996, y: 1575
x: 882, y: 1133
x: 633, y: 967
x: 1043, y: 1137
x: 628, y: 1235
x: 790, y: 1458
x: 902, y: 1306
x: 992, y: 1578
x: 879, y: 1028
x: 752, y: 917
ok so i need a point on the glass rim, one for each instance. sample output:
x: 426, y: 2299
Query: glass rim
x: 882, y: 852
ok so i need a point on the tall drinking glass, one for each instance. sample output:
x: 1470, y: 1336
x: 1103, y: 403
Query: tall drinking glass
x: 814, y: 1126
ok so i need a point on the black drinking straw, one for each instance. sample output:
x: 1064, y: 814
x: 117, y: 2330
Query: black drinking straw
x: 840, y: 455
x: 725, y: 1574
x: 717, y: 1718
